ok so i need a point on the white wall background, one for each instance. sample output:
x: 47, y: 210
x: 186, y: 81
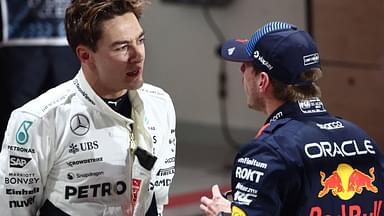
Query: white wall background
x: 181, y: 58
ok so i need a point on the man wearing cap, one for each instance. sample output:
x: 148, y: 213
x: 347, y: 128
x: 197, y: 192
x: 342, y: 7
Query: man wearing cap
x: 303, y: 161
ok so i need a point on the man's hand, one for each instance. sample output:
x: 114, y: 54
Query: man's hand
x: 212, y: 207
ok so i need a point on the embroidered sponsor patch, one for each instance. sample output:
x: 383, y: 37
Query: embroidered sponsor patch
x: 311, y: 59
x: 311, y: 106
x: 22, y: 133
x: 236, y: 211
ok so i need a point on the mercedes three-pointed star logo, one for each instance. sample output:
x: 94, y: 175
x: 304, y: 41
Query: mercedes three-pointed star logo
x: 79, y: 124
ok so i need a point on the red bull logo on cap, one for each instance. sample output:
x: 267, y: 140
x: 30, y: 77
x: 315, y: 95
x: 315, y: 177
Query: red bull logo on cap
x: 346, y: 181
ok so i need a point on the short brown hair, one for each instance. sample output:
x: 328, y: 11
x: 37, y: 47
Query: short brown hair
x: 83, y: 18
x: 291, y: 92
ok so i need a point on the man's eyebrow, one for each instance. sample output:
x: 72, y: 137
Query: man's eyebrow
x: 141, y: 34
x: 116, y: 43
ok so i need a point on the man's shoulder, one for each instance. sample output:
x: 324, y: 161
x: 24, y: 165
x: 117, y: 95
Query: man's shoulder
x: 149, y: 90
x: 49, y: 100
x: 292, y: 133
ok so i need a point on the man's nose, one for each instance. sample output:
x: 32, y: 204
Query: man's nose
x: 136, y: 54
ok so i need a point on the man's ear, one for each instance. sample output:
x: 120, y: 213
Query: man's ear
x: 84, y: 54
x: 264, y: 81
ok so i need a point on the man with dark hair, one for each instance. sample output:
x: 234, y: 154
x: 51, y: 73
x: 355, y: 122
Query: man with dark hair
x: 303, y: 161
x: 100, y: 144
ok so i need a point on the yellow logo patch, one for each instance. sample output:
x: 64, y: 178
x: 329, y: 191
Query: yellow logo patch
x: 236, y: 211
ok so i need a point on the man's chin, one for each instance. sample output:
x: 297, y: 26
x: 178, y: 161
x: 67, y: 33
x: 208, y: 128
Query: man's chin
x: 135, y: 86
x: 255, y: 107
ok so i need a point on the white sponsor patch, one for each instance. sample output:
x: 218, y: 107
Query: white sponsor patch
x: 277, y: 116
x: 252, y: 162
x: 311, y: 59
x: 260, y: 58
x: 311, y: 106
x: 248, y: 174
x: 246, y: 189
x: 243, y: 198
x: 331, y: 125
x: 346, y: 148
x: 231, y: 51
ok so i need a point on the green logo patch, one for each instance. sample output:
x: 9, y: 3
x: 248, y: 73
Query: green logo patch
x: 22, y: 133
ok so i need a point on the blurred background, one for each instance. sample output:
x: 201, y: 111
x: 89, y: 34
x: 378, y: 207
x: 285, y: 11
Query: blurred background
x: 182, y: 37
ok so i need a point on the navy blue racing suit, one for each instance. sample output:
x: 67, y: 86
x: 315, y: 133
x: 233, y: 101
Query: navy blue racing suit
x: 308, y: 162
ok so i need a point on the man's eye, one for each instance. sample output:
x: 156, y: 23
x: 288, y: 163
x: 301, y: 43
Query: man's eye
x: 141, y: 40
x: 122, y: 48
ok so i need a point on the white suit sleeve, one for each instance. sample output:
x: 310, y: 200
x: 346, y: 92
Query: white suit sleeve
x: 166, y: 161
x: 25, y: 161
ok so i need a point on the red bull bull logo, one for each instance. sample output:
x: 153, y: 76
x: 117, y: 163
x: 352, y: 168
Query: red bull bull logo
x: 346, y: 181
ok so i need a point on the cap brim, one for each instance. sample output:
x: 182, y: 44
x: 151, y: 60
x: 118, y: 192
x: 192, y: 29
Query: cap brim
x: 235, y: 50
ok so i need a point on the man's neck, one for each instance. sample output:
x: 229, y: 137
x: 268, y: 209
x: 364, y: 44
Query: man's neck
x: 98, y: 87
x: 271, y: 105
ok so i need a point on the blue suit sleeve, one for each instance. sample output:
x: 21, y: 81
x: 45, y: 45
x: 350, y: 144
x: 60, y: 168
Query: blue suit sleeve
x: 262, y: 180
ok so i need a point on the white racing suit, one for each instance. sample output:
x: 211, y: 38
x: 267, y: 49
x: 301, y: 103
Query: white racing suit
x: 70, y: 149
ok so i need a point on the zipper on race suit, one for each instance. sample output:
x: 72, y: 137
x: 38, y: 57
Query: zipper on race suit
x: 130, y: 159
x: 132, y: 142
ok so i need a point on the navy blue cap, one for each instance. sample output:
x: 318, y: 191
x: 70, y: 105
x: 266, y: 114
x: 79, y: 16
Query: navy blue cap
x: 280, y: 49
